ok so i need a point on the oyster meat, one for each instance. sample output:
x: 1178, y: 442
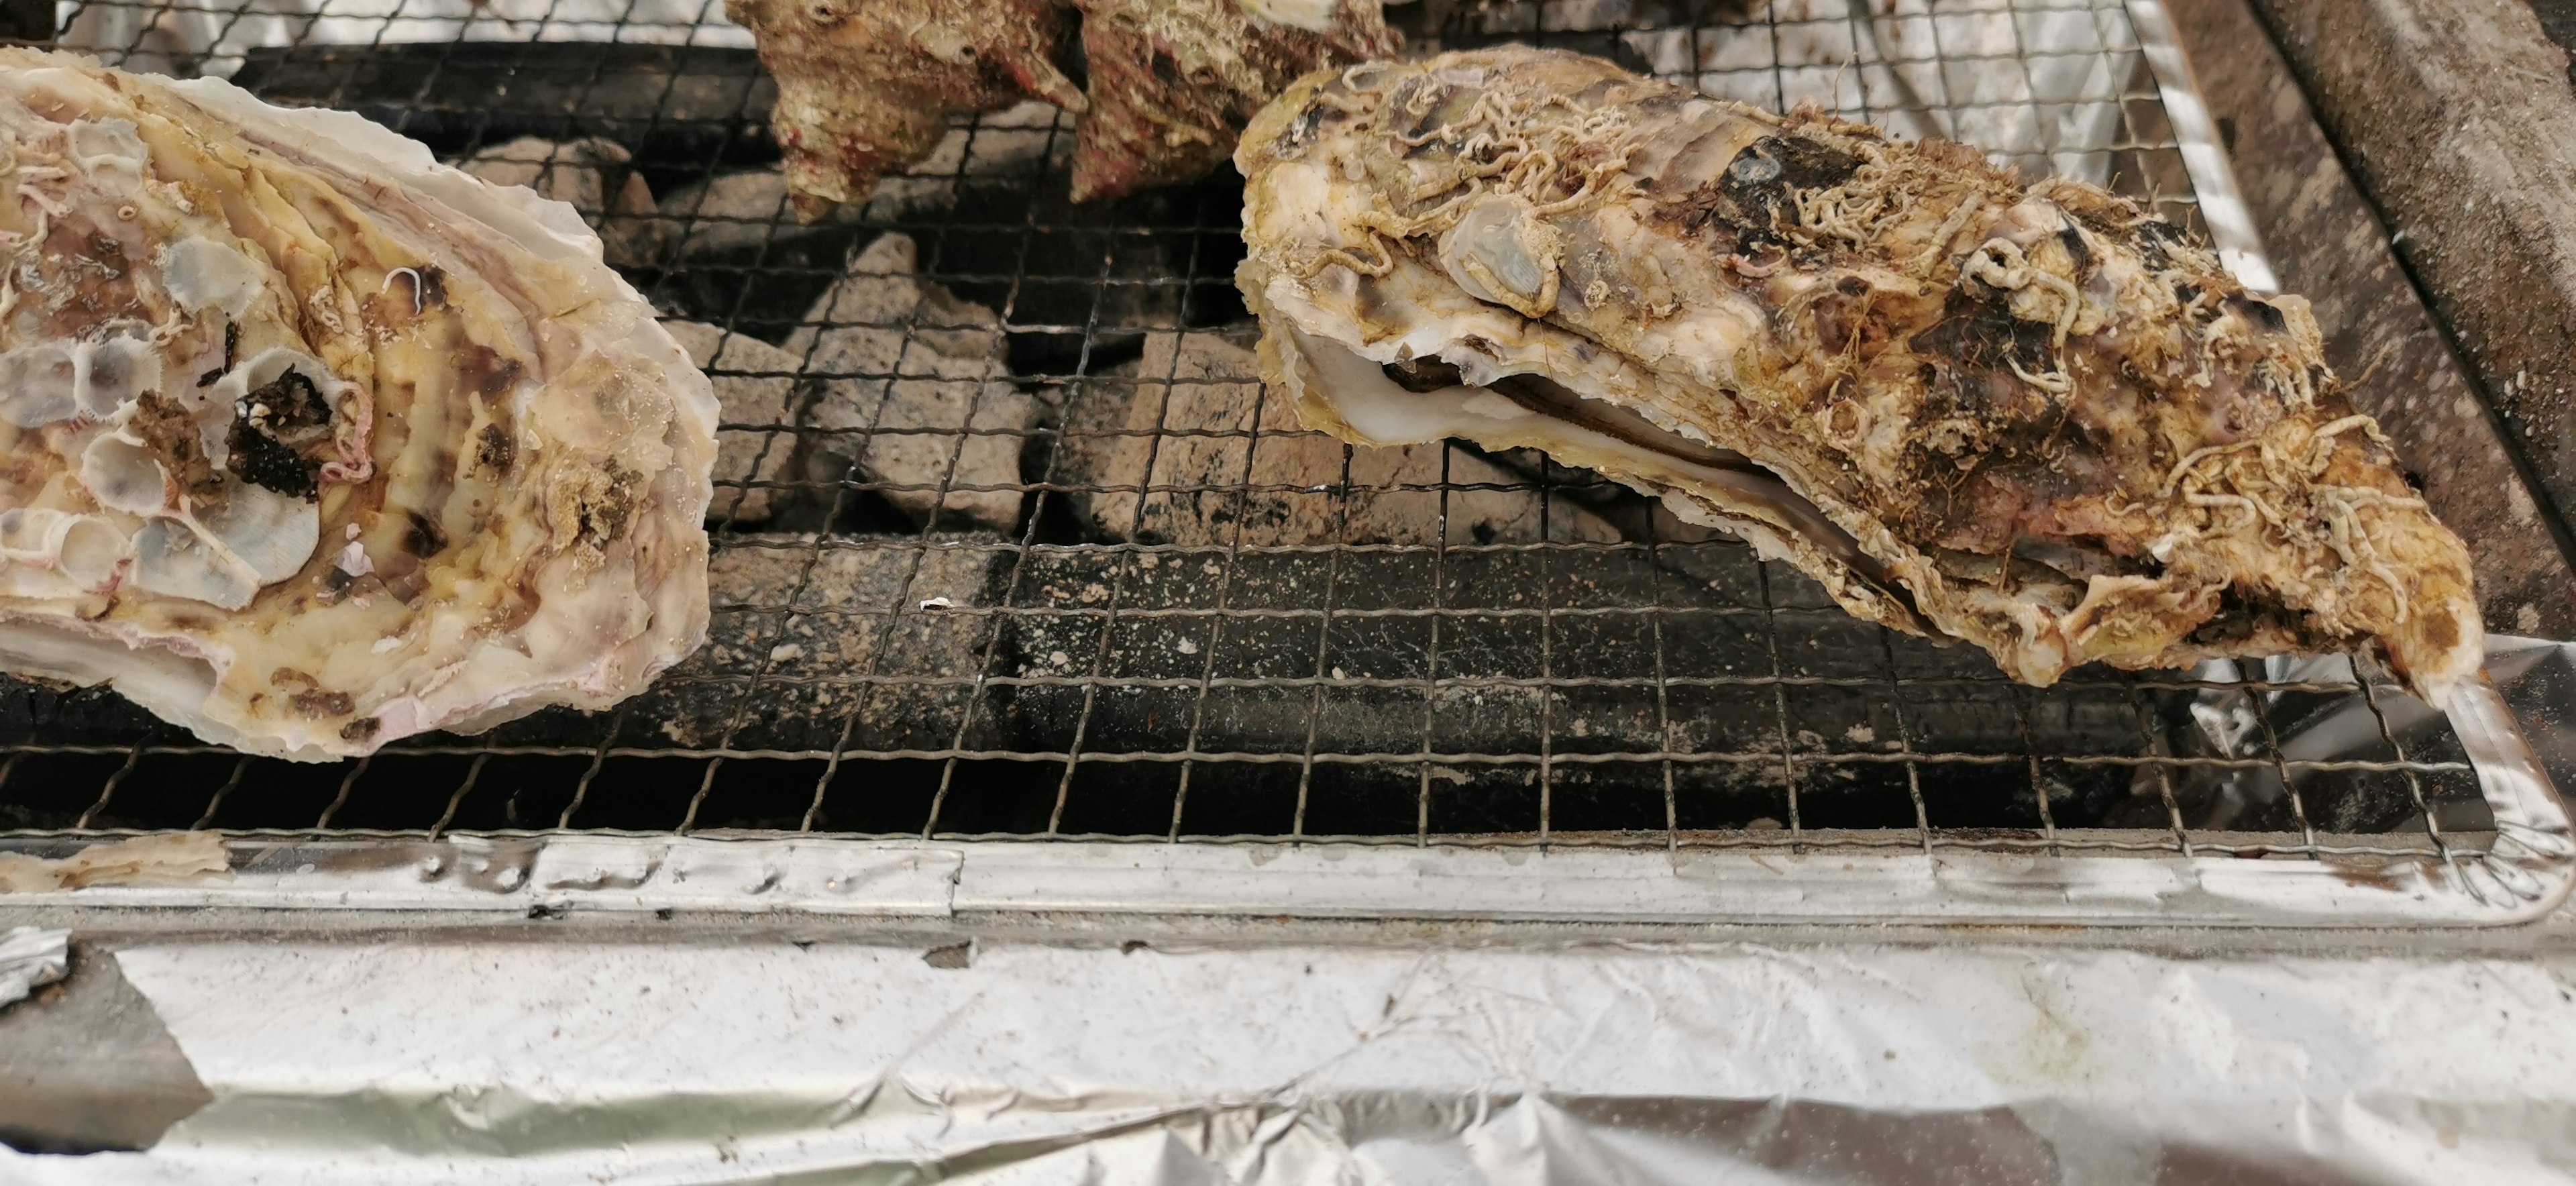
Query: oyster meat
x: 314, y: 443
x: 2027, y: 416
x: 866, y: 87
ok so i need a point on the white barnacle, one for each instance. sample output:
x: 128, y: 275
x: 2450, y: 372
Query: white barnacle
x: 353, y: 559
x: 203, y: 274
x: 1502, y: 250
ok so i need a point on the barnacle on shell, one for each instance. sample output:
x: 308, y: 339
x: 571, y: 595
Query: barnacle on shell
x: 312, y: 443
x: 2026, y: 416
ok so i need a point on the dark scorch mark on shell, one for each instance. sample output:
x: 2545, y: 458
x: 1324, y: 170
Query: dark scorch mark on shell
x: 1982, y: 334
x: 1760, y: 178
x: 258, y: 459
x: 423, y: 537
x: 2076, y: 250
x: 318, y: 703
x: 484, y: 371
x: 432, y: 287
x: 278, y: 435
x: 2259, y: 313
x: 493, y: 449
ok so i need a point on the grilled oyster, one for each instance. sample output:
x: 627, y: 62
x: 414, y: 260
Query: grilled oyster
x: 2030, y: 417
x: 313, y: 443
x: 1171, y: 82
x: 865, y: 87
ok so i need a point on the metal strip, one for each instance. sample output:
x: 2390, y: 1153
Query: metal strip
x: 1569, y: 884
x: 551, y: 874
x: 2213, y: 180
x: 555, y: 875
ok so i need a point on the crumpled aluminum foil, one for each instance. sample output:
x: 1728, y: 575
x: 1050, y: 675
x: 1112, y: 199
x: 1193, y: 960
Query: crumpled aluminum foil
x: 1443, y: 1060
x: 31, y: 958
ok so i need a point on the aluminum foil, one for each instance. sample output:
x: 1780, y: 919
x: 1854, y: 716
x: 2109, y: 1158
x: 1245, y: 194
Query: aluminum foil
x: 2538, y: 679
x: 1439, y: 1061
x: 31, y: 958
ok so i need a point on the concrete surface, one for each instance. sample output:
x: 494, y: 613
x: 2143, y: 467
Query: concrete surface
x: 2327, y: 243
x: 2458, y: 120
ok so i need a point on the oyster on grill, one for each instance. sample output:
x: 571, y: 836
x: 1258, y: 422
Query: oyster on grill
x: 2026, y: 416
x: 314, y: 443
x: 865, y: 87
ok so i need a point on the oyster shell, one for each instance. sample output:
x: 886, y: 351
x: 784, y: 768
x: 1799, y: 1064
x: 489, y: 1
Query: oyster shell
x: 865, y: 87
x: 2029, y: 417
x: 314, y: 443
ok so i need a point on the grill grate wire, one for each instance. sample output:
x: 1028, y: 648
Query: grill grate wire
x: 1362, y: 656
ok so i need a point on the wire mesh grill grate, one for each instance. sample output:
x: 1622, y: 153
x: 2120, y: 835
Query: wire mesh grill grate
x: 1010, y: 541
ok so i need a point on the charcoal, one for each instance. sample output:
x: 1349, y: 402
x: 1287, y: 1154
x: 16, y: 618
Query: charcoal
x: 596, y: 177
x: 27, y: 20
x: 909, y: 391
x: 679, y: 109
x: 732, y: 217
x: 1077, y: 285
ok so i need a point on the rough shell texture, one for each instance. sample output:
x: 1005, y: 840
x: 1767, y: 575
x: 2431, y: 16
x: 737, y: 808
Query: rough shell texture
x: 2029, y: 417
x: 866, y: 88
x: 314, y: 443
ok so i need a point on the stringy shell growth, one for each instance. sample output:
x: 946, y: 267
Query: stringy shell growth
x: 2026, y: 416
x: 314, y: 443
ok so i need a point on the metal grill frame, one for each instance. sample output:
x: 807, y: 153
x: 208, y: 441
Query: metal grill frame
x: 2517, y: 870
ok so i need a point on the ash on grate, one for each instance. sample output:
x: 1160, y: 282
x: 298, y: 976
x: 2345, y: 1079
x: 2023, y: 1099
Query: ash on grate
x: 812, y: 633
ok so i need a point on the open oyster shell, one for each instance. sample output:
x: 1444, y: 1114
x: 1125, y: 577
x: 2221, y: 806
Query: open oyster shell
x: 2030, y: 417
x: 313, y: 443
